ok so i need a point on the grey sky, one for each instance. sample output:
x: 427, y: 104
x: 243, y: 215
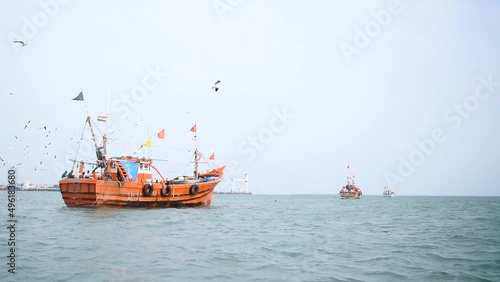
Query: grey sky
x: 405, y: 92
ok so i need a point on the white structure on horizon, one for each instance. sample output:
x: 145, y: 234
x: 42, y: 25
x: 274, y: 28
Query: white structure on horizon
x: 240, y: 180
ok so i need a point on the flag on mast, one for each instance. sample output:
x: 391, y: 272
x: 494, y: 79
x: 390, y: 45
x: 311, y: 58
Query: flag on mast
x: 212, y: 157
x: 161, y: 134
x: 102, y: 118
x: 148, y: 143
x: 79, y: 97
x: 193, y: 129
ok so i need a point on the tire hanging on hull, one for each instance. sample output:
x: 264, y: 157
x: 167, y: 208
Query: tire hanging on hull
x: 147, y: 190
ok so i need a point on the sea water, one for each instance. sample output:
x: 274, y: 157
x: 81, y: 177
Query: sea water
x: 257, y: 238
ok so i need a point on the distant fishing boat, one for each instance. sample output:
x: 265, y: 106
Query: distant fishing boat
x: 129, y: 182
x: 237, y: 187
x: 388, y: 192
x: 350, y: 190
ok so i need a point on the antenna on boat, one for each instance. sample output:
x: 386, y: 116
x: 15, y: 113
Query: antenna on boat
x: 107, y: 115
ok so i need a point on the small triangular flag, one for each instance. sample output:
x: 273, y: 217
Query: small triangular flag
x: 161, y: 134
x: 79, y: 97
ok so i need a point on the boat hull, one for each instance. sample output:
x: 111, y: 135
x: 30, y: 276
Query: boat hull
x: 100, y: 193
x: 349, y: 195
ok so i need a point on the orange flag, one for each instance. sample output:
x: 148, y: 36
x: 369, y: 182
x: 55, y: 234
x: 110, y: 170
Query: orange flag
x: 161, y: 134
x: 212, y: 157
x: 193, y: 129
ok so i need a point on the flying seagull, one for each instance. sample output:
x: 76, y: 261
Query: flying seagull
x: 216, y: 85
x: 26, y: 125
x: 20, y: 42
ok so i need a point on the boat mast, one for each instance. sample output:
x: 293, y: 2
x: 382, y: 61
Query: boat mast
x: 100, y: 154
x: 196, y: 156
x: 104, y: 142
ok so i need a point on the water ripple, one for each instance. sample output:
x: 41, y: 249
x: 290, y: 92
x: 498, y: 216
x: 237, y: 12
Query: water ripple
x: 262, y: 238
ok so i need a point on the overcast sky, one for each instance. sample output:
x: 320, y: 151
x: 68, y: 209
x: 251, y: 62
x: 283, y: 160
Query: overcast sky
x: 405, y: 93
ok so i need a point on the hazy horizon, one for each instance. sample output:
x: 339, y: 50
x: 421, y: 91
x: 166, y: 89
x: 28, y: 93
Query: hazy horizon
x: 403, y: 93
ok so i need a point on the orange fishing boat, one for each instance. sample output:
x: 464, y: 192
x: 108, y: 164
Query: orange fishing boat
x: 350, y: 190
x: 136, y: 182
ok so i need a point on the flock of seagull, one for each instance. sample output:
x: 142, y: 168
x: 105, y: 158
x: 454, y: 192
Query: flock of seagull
x: 26, y: 150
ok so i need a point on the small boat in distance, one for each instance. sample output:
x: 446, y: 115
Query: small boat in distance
x: 388, y: 192
x: 350, y: 190
x: 135, y: 182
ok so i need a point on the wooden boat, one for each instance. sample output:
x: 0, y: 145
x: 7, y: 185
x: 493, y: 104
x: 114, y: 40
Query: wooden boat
x: 388, y: 192
x: 350, y: 190
x: 129, y: 182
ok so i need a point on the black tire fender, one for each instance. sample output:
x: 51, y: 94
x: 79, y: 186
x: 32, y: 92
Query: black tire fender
x: 166, y: 191
x: 194, y: 189
x: 147, y: 189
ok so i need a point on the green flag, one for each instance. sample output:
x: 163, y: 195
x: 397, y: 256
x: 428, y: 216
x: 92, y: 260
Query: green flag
x: 79, y: 97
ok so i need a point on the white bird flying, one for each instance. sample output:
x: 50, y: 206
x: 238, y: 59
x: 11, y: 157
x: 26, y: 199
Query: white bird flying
x: 216, y: 85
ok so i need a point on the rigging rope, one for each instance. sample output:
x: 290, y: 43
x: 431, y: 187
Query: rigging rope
x: 79, y: 144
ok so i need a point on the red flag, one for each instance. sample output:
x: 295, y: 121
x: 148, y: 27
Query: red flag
x: 212, y: 157
x: 193, y: 129
x: 161, y: 134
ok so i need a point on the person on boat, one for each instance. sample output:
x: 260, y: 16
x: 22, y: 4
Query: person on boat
x: 70, y: 174
x: 95, y: 176
x: 88, y: 174
x: 65, y: 174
